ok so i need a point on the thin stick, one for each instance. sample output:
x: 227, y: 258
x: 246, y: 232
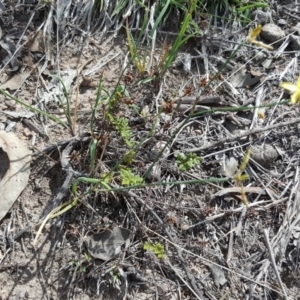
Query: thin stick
x: 244, y: 134
x: 266, y: 235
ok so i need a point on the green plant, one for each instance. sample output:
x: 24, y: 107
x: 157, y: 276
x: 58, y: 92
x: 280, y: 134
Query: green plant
x: 128, y: 178
x: 36, y: 110
x: 79, y: 266
x: 119, y: 123
x: 122, y: 127
x: 100, y: 99
x: 157, y: 248
x: 65, y: 105
x: 240, y: 176
x: 239, y: 9
x: 186, y: 162
x: 138, y: 60
x: 181, y: 39
x: 115, y: 276
x: 93, y: 150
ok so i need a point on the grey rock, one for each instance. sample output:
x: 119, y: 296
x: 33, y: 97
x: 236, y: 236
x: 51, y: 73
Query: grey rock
x: 272, y: 33
x: 260, y: 16
x: 281, y: 22
x: 265, y: 154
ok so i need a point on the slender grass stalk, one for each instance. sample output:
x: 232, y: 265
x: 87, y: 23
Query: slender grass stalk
x: 36, y: 110
x: 66, y: 105
x: 109, y: 188
x: 252, y: 6
x: 160, y: 17
x: 99, y: 100
x: 181, y: 38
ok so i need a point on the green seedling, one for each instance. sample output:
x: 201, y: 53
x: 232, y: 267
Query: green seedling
x: 65, y: 105
x: 100, y: 99
x: 156, y: 248
x: 80, y: 268
x: 186, y: 162
x: 93, y: 181
x: 244, y: 7
x: 115, y: 276
x: 243, y: 10
x: 122, y: 127
x: 120, y: 124
x: 128, y: 178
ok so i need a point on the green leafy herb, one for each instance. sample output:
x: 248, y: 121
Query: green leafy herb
x: 156, y: 248
x: 186, y: 162
x: 128, y: 178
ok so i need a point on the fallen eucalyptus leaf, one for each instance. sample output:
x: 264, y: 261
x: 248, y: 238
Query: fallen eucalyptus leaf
x: 14, y: 170
x: 36, y: 43
x: 16, y: 81
x: 107, y: 244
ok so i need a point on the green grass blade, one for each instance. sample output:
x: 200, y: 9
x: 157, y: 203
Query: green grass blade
x: 93, y: 149
x: 67, y: 110
x: 159, y: 18
x: 51, y: 117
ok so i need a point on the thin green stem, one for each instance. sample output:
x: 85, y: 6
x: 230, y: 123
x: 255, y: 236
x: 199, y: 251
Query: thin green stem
x: 36, y: 110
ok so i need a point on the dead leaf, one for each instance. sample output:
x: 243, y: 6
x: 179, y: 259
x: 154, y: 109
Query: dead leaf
x: 265, y: 154
x: 243, y: 78
x: 250, y: 189
x: 107, y: 244
x: 15, y: 169
x: 36, y: 44
x: 16, y: 81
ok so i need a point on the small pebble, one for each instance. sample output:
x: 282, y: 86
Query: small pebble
x: 272, y: 33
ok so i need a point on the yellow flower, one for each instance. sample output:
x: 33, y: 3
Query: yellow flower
x: 252, y: 38
x: 254, y: 33
x: 294, y: 89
